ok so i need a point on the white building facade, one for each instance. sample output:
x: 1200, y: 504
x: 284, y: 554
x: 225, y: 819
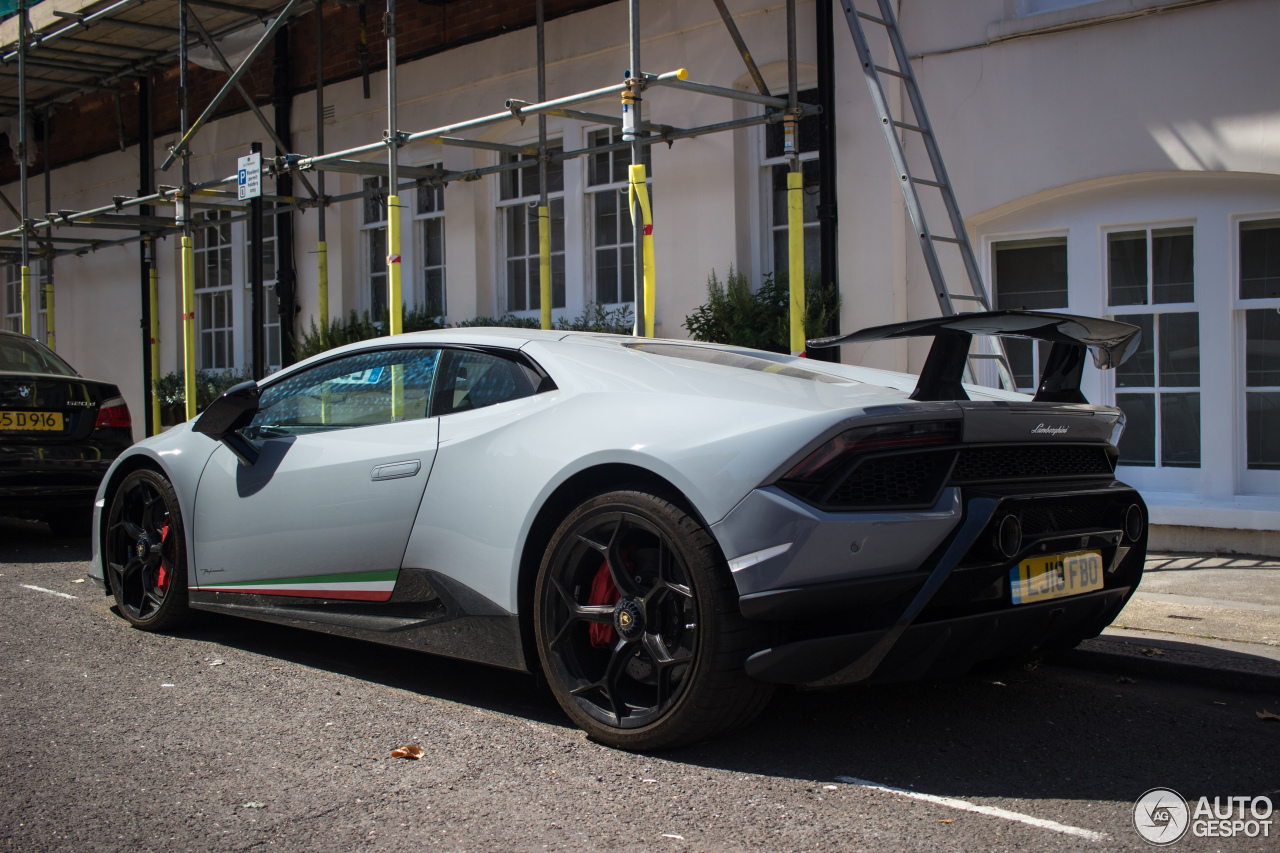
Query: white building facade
x: 1114, y: 158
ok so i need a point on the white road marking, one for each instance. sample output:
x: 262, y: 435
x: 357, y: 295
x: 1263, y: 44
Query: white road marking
x: 990, y: 811
x: 50, y: 591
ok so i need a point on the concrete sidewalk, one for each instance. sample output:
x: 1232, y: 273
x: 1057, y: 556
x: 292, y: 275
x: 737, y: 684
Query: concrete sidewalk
x: 1214, y: 620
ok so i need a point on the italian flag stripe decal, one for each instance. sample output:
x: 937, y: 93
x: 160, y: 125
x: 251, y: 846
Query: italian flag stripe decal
x: 357, y: 586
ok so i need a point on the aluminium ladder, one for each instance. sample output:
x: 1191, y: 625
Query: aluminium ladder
x: 959, y: 237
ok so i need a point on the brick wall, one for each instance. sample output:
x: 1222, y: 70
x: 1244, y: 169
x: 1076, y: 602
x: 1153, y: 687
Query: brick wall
x: 87, y: 127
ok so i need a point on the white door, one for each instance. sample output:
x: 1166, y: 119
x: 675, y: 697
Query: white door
x: 345, y: 447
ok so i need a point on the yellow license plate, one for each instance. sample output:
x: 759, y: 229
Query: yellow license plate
x: 31, y: 421
x: 1055, y: 576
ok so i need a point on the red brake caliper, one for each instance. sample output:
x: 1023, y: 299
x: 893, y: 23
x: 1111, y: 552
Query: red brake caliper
x: 602, y: 592
x: 162, y: 578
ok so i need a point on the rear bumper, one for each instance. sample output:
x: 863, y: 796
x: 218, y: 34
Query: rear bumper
x: 952, y: 608
x: 942, y: 648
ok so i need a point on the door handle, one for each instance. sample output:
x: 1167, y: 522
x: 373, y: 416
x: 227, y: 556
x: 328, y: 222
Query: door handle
x: 396, y: 470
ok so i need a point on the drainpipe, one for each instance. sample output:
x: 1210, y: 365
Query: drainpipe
x: 286, y: 272
x: 828, y: 232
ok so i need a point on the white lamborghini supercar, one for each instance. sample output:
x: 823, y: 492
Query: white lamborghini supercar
x: 665, y: 529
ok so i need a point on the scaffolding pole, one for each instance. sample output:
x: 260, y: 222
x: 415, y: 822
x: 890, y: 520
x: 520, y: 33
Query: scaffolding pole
x: 28, y: 314
x: 394, y: 301
x: 631, y: 117
x: 322, y: 246
x: 184, y: 221
x: 795, y: 192
x: 46, y: 263
x: 544, y: 206
x: 147, y: 260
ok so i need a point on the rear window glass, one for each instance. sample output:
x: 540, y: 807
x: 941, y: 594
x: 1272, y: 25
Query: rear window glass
x: 22, y: 355
x: 739, y: 360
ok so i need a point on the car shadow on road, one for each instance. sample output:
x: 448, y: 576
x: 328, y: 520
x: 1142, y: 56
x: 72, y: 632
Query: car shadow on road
x: 1027, y: 733
x: 32, y: 542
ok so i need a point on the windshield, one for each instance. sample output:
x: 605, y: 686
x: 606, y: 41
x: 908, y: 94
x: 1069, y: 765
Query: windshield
x: 23, y: 355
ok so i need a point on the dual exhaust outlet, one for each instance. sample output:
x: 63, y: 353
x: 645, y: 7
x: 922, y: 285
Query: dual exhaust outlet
x: 1008, y: 538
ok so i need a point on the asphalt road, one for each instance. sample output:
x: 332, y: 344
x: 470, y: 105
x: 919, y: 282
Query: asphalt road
x: 239, y: 735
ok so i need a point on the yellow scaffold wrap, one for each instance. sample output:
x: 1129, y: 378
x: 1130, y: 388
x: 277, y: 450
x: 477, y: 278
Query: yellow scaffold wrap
x: 395, y: 302
x: 544, y: 264
x: 795, y: 258
x: 636, y: 188
x: 189, y: 325
x: 28, y: 323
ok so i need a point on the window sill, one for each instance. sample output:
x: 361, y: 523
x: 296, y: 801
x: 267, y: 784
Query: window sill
x: 1093, y: 13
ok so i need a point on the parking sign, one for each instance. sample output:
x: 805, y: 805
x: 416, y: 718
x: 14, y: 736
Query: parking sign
x: 249, y: 176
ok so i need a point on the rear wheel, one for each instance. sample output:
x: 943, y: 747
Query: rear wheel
x: 638, y: 627
x: 145, y: 552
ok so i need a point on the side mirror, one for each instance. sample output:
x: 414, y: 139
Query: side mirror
x: 228, y: 414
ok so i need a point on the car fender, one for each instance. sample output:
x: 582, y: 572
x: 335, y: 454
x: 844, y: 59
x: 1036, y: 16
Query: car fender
x: 181, y: 455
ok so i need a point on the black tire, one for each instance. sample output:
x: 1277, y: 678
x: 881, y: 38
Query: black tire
x: 145, y: 554
x: 664, y: 665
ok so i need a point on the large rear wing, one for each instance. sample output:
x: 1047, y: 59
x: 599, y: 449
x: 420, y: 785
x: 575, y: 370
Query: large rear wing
x: 1111, y: 343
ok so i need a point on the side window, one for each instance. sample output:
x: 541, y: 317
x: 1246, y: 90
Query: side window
x: 472, y: 380
x: 369, y: 388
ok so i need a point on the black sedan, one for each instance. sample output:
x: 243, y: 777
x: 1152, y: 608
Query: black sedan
x: 59, y: 432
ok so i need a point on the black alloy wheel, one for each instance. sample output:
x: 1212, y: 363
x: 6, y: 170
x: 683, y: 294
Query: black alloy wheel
x: 144, y: 551
x: 638, y: 626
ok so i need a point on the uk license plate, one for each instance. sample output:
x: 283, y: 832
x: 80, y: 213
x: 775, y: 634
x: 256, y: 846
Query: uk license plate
x: 31, y: 421
x: 1055, y: 576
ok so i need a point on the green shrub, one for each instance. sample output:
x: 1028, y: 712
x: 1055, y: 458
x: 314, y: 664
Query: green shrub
x: 734, y: 314
x: 360, y: 327
x: 171, y: 390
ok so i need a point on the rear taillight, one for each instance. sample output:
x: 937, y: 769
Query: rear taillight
x: 832, y: 455
x: 113, y: 413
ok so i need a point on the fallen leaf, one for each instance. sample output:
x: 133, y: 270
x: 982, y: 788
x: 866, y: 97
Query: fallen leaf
x: 411, y: 752
x: 948, y: 820
x: 1264, y: 714
x: 1150, y: 652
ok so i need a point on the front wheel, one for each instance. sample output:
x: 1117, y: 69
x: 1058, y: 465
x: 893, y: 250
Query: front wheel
x: 638, y: 627
x: 144, y: 549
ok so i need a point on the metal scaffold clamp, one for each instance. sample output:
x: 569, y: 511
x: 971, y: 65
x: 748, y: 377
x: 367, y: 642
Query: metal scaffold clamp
x: 631, y: 106
x: 515, y: 105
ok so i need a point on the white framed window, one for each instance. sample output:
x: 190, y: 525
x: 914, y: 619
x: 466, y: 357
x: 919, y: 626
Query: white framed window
x: 13, y: 297
x: 1259, y: 296
x: 518, y: 195
x: 12, y: 275
x: 1151, y: 284
x: 1029, y: 275
x: 270, y: 295
x: 430, y: 287
x: 612, y: 236
x: 373, y: 238
x: 215, y: 311
x: 774, y: 183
